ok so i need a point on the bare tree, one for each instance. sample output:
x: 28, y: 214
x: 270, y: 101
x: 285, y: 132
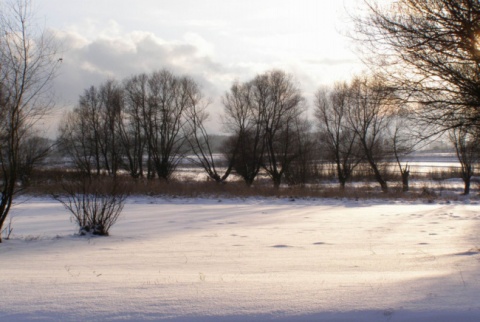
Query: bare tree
x: 468, y: 153
x: 246, y: 147
x: 28, y: 61
x: 90, y: 120
x: 339, y: 140
x: 280, y: 106
x: 75, y: 141
x: 200, y: 142
x: 90, y: 134
x: 369, y: 115
x: 131, y: 130
x: 430, y: 51
x: 304, y: 166
x: 168, y: 100
x: 403, y: 141
x: 83, y: 135
x: 264, y: 115
x: 110, y: 97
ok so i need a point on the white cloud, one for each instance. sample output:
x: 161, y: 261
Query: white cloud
x: 203, y: 46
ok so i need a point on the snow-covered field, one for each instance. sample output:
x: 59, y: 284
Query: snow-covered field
x: 246, y: 260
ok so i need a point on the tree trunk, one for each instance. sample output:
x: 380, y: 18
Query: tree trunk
x: 466, y: 189
x: 405, y: 177
x: 383, y: 185
x: 6, y: 199
x: 378, y: 175
x: 248, y: 181
x: 342, y: 180
x: 277, y: 180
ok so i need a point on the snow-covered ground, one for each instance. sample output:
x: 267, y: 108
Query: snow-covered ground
x: 246, y: 260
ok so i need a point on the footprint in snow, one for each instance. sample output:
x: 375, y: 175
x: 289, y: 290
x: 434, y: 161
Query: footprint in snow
x: 281, y: 246
x: 471, y: 252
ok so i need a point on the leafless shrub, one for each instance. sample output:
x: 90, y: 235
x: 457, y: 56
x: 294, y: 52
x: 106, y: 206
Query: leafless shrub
x: 428, y: 193
x: 95, y: 204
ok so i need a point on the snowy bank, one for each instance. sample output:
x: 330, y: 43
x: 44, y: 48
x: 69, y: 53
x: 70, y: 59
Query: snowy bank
x: 246, y: 260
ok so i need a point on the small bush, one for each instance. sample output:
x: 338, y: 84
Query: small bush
x: 95, y: 203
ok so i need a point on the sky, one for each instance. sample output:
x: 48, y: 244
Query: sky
x: 214, y: 41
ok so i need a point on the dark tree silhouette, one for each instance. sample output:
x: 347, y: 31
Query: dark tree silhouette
x: 339, y: 140
x: 430, y: 49
x: 28, y: 62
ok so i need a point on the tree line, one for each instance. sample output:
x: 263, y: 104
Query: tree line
x: 146, y: 124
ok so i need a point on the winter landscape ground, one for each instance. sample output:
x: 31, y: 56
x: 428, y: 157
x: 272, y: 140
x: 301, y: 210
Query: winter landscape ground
x: 254, y: 259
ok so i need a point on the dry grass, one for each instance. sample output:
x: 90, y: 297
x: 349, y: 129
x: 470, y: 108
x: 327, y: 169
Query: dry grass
x: 50, y: 182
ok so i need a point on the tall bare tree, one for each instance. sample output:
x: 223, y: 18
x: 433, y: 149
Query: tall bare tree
x: 90, y: 134
x: 303, y: 168
x: 369, y: 116
x: 111, y: 99
x: 281, y: 105
x: 200, y: 142
x: 430, y: 49
x: 131, y: 130
x: 246, y: 147
x: 28, y: 61
x: 468, y: 153
x: 339, y: 140
x: 264, y: 116
x: 168, y: 101
x: 403, y: 140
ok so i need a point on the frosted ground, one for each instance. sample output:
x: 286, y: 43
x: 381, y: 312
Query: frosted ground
x: 246, y: 260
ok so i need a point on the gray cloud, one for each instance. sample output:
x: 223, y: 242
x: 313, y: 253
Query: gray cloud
x: 91, y: 62
x: 87, y: 63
